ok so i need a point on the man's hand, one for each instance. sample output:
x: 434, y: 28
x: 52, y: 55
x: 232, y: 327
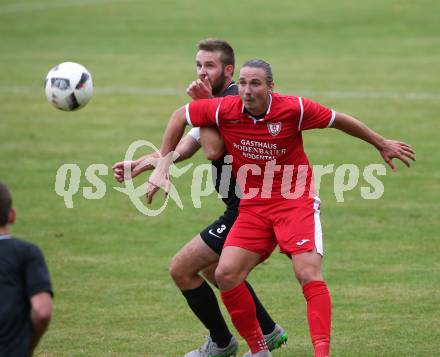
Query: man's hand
x: 392, y: 149
x: 158, y: 179
x: 119, y: 173
x: 200, y: 89
x: 126, y: 170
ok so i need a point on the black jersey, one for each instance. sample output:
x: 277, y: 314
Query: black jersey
x: 231, y: 90
x: 224, y: 181
x: 23, y: 273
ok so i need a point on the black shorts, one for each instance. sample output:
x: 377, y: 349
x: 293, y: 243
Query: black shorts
x: 215, y: 234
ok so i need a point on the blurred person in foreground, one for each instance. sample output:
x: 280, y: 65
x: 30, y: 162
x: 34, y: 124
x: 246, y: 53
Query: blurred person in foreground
x: 25, y: 288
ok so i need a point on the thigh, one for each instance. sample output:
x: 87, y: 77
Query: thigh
x: 297, y: 226
x: 253, y: 233
x: 215, y: 234
x: 234, y: 266
x: 195, y: 256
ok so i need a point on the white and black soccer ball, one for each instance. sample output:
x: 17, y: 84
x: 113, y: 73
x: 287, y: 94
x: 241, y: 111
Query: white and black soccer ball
x: 68, y: 86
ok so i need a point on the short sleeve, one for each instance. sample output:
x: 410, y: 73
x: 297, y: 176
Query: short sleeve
x: 203, y: 112
x: 36, y: 272
x: 195, y: 134
x: 314, y: 115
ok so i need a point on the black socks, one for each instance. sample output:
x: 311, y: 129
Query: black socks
x: 203, y: 303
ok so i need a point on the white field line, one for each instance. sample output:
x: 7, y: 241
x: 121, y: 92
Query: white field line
x: 371, y: 95
x: 157, y: 91
x: 35, y: 6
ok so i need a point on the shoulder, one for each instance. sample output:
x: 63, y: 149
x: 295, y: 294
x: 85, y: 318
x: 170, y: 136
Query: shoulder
x: 230, y: 105
x: 286, y: 104
x: 231, y: 90
x: 26, y: 249
x: 230, y: 100
x: 20, y: 251
x: 285, y: 99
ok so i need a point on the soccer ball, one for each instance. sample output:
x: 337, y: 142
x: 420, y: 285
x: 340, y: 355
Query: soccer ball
x: 68, y: 86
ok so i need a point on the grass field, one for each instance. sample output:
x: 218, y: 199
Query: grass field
x: 379, y: 60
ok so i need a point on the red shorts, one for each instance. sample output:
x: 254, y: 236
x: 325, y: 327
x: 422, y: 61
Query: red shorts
x: 292, y: 224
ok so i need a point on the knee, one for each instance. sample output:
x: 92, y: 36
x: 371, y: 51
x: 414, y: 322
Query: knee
x: 178, y: 272
x: 307, y: 274
x: 209, y: 274
x: 227, y: 278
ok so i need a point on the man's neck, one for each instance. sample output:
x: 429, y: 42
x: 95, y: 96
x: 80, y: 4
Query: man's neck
x: 4, y: 231
x: 260, y: 112
x: 226, y: 86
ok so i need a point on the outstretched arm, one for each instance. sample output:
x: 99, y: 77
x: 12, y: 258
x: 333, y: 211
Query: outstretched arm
x: 389, y: 149
x: 173, y: 134
x: 186, y: 148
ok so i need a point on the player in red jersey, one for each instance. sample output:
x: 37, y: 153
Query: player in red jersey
x: 262, y: 131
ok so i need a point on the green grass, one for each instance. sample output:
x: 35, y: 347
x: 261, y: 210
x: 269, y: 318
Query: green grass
x: 378, y: 60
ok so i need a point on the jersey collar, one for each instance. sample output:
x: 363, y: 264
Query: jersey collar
x: 244, y: 111
x: 231, y: 84
x: 4, y: 236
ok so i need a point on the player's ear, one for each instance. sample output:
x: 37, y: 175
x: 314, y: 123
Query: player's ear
x: 229, y: 70
x: 271, y: 86
x: 12, y: 215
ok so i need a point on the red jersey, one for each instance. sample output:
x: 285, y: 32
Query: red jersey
x: 268, y: 154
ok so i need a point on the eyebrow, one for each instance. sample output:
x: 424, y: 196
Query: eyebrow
x: 250, y: 80
x: 205, y: 62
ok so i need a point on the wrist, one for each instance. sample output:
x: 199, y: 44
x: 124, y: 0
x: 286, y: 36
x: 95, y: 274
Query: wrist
x: 162, y: 164
x: 379, y: 143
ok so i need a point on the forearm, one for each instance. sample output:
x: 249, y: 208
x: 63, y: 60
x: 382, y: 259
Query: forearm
x: 356, y: 128
x: 186, y: 148
x: 172, y: 136
x: 147, y: 162
x: 41, y: 313
x: 38, y: 330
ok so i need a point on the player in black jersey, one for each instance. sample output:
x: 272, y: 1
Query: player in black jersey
x: 215, y: 68
x: 25, y: 288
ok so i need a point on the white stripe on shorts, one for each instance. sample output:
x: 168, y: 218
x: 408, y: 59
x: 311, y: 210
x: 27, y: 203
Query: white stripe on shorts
x: 318, y: 229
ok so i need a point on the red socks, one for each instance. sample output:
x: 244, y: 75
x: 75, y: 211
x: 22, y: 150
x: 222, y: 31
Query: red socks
x: 319, y: 313
x: 241, y: 307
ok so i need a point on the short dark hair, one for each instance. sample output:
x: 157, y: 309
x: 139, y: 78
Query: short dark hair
x: 227, y: 55
x: 259, y: 63
x: 5, y: 204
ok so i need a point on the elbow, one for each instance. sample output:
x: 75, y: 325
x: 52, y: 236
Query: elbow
x: 179, y: 116
x: 41, y: 309
x: 42, y: 315
x: 212, y: 143
x: 214, y: 154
